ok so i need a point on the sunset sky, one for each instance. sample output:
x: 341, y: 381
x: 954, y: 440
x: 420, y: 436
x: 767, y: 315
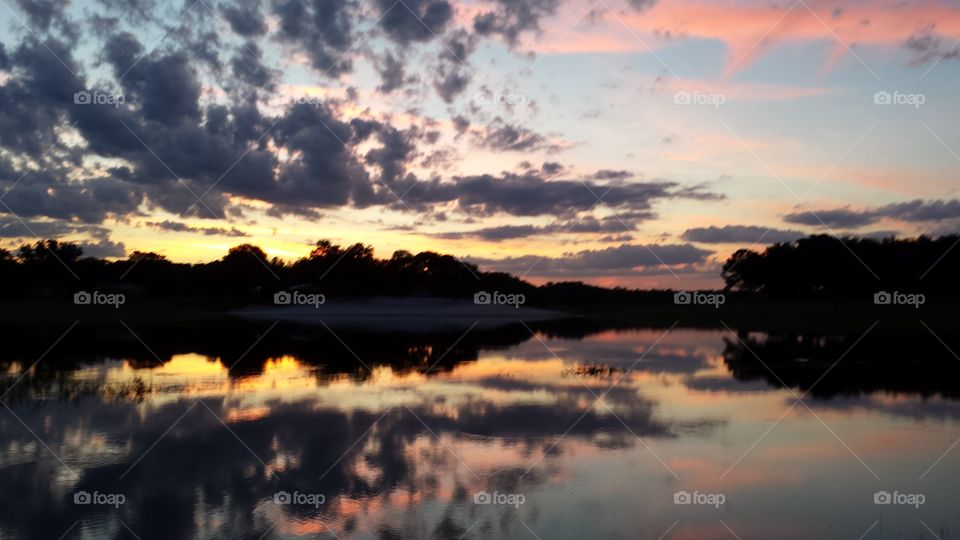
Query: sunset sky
x: 633, y: 143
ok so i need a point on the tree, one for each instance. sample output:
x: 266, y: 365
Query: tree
x: 45, y: 251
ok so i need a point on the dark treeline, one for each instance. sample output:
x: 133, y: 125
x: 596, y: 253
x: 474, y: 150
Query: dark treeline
x: 828, y: 267
x: 52, y: 268
x: 814, y: 267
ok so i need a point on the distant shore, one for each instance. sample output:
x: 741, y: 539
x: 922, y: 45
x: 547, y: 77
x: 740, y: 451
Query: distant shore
x: 402, y: 314
x: 414, y: 313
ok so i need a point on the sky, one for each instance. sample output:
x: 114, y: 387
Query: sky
x: 635, y: 143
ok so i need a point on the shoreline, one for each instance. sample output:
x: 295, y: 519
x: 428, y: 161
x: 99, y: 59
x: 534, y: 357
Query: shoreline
x: 740, y: 314
x: 403, y: 314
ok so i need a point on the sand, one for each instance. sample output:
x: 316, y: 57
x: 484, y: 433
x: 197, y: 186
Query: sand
x: 402, y: 314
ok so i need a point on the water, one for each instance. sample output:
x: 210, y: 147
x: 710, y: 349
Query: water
x: 574, y: 432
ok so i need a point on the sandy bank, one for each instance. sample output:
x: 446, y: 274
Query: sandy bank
x: 402, y: 314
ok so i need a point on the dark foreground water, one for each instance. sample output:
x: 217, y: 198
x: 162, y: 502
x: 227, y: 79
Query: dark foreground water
x: 566, y: 432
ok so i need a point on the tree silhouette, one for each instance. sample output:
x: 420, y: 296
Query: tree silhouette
x: 829, y: 267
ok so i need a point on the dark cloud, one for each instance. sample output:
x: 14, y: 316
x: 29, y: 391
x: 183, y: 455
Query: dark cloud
x: 170, y: 141
x: 551, y: 168
x: 620, y: 260
x: 174, y: 226
x: 414, y: 20
x: 504, y: 232
x: 32, y: 104
x: 138, y: 11
x: 453, y: 74
x: 322, y: 28
x: 461, y: 123
x: 103, y: 249
x: 48, y: 194
x: 587, y: 225
x: 164, y: 86
x: 247, y: 67
x: 391, y: 70
x: 510, y: 18
x: 928, y: 47
x: 641, y: 5
x: 451, y: 81
x: 13, y: 227
x: 328, y: 173
x: 28, y: 230
x: 502, y: 136
x: 42, y: 13
x: 920, y: 210
x: 915, y: 211
x: 245, y: 18
x: 531, y: 194
x: 740, y: 234
x: 612, y: 175
x: 396, y: 150
x: 841, y: 217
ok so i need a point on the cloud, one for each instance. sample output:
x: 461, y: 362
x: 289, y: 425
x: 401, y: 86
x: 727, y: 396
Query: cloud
x: 41, y: 13
x: 103, y: 249
x: 738, y: 25
x: 641, y: 5
x: 501, y: 136
x: 183, y: 128
x: 734, y: 234
x: 414, y: 20
x: 323, y: 30
x: 510, y: 18
x: 453, y: 74
x: 916, y: 211
x: 531, y: 194
x: 95, y: 239
x: 585, y: 225
x: 391, y: 72
x: 247, y: 67
x: 620, y: 260
x: 928, y: 47
x: 841, y: 217
x: 164, y: 86
x: 174, y: 226
x: 245, y: 18
x: 12, y: 227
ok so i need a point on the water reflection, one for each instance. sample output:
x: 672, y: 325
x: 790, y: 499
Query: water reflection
x: 597, y: 430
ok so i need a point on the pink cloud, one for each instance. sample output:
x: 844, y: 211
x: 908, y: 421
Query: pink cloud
x: 748, y: 30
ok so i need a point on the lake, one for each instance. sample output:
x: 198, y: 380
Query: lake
x: 538, y: 431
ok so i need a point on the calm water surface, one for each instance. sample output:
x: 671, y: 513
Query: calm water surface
x: 500, y: 434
